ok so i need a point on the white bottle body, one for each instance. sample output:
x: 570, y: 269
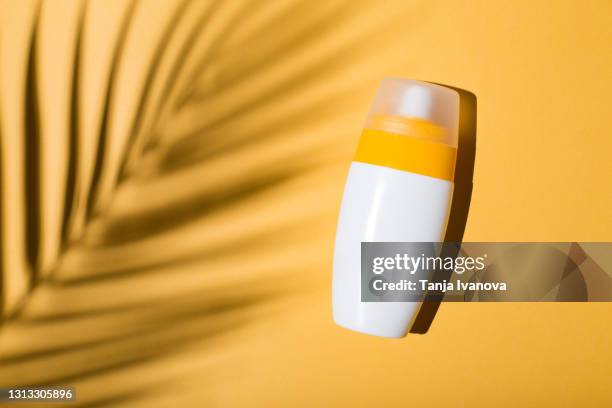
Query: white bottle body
x: 381, y: 204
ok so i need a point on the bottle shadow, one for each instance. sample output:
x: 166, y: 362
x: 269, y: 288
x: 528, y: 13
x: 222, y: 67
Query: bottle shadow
x: 460, y: 203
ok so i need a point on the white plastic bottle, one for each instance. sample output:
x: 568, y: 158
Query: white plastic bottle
x: 399, y: 189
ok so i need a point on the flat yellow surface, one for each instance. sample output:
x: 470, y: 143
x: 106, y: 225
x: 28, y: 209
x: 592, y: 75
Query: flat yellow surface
x: 200, y: 274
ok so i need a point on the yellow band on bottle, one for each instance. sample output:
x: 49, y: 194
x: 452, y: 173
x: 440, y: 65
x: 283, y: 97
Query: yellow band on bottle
x: 407, y: 153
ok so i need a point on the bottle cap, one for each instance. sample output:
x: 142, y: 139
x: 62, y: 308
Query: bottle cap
x: 415, y: 108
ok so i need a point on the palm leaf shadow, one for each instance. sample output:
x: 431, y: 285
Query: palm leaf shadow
x: 121, y: 306
x: 17, y: 362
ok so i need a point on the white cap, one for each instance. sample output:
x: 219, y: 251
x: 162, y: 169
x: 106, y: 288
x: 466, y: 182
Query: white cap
x: 412, y: 99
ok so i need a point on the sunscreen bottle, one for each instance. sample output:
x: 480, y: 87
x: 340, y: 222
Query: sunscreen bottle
x: 399, y: 189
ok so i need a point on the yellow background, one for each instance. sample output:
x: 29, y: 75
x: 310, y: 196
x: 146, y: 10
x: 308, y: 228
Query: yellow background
x: 227, y: 210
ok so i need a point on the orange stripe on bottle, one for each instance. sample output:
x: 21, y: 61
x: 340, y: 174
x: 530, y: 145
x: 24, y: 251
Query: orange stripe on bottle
x: 415, y: 155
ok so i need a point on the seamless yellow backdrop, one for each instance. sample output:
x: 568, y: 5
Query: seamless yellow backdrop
x: 193, y: 267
